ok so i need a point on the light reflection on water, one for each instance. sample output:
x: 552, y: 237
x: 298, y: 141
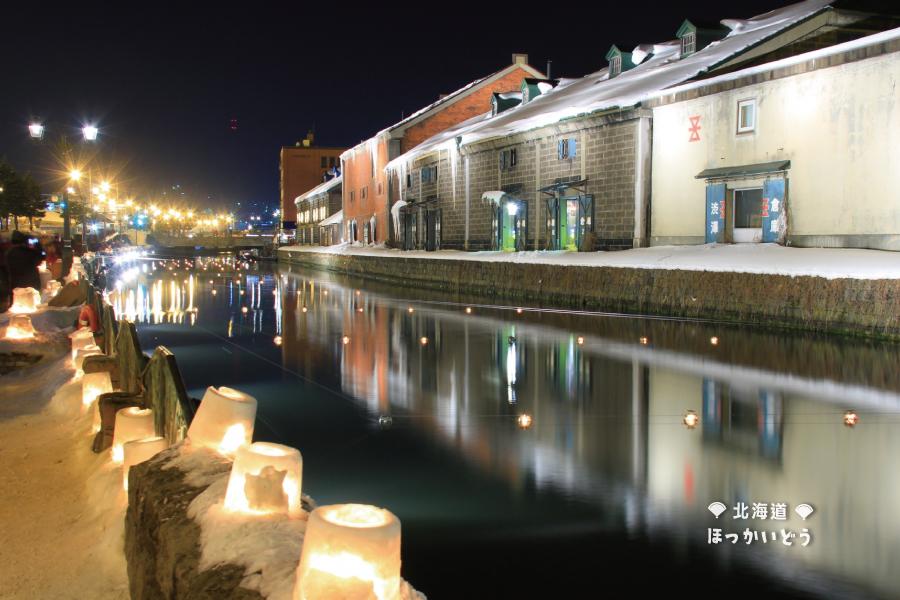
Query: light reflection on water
x: 605, y: 401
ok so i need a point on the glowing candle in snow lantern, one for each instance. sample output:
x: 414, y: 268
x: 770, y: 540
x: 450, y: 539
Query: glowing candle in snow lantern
x: 265, y: 478
x: 350, y: 551
x: 82, y: 353
x: 224, y: 420
x: 137, y: 451
x: 80, y: 339
x: 94, y: 384
x: 25, y: 300
x: 132, y: 423
x: 20, y: 328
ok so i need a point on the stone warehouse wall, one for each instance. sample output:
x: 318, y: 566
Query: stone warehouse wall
x: 854, y: 306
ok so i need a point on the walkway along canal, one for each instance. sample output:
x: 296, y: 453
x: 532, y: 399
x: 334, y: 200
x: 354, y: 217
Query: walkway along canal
x: 531, y: 451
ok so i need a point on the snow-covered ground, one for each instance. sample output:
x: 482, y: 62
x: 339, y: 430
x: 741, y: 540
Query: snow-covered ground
x: 62, y: 506
x: 831, y: 263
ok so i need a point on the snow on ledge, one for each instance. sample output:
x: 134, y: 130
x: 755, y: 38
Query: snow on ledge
x: 268, y: 547
x: 766, y: 259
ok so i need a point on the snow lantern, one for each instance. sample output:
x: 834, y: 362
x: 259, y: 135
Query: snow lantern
x: 20, y: 328
x: 350, y: 551
x: 25, y: 300
x: 224, y: 420
x: 53, y: 287
x: 132, y: 423
x: 265, y: 478
x: 84, y: 352
x: 94, y: 384
x: 137, y: 451
x: 80, y: 339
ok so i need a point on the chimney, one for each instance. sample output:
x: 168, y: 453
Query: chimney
x: 549, y: 64
x: 520, y: 59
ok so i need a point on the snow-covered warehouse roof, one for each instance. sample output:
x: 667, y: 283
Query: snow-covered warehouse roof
x: 334, y: 219
x: 319, y: 189
x: 659, y: 66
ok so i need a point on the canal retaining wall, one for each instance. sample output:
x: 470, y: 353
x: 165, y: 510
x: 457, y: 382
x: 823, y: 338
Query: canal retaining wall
x: 866, y: 307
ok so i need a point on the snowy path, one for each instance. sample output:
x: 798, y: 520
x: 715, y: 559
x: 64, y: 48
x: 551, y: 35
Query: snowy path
x: 831, y: 263
x: 61, y: 510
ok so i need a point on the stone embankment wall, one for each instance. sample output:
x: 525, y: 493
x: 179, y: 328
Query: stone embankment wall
x: 847, y: 306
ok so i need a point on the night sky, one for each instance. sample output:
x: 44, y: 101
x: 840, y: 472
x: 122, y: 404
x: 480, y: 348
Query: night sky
x: 163, y: 84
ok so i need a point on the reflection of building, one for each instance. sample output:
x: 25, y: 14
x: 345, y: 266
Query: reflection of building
x: 607, y: 415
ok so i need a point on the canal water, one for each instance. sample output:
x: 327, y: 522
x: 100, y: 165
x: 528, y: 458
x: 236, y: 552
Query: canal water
x: 533, y: 452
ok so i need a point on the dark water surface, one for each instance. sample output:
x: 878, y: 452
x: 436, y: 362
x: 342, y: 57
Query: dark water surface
x: 543, y: 453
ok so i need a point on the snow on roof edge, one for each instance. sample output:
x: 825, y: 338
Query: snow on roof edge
x: 322, y: 187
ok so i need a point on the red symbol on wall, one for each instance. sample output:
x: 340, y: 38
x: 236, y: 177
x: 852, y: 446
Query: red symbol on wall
x: 765, y: 207
x: 694, y: 128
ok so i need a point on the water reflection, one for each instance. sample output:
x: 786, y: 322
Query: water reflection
x: 570, y: 414
x: 604, y: 406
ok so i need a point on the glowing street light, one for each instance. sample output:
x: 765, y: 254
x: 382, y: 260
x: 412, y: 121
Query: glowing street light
x: 90, y: 132
x: 36, y: 131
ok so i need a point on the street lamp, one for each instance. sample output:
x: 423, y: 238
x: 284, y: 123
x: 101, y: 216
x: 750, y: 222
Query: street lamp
x: 36, y: 130
x: 74, y: 176
x: 90, y: 132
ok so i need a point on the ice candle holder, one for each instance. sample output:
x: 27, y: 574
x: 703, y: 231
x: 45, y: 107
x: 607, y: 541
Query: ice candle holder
x: 350, y: 551
x: 265, y: 479
x: 84, y: 352
x: 132, y: 423
x: 25, y: 300
x: 224, y: 420
x: 20, y: 328
x: 80, y: 339
x: 94, y: 384
x: 137, y: 451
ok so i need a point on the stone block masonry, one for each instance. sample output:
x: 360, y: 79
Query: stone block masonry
x: 865, y: 307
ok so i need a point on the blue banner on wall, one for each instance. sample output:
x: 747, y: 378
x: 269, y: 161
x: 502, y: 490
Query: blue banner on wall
x: 715, y: 212
x: 773, y: 222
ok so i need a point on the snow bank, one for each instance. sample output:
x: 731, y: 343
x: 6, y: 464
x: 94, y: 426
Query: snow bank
x: 267, y: 547
x: 772, y: 259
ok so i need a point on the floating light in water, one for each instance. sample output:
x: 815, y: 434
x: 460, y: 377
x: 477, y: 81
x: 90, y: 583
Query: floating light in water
x: 25, y: 300
x: 20, y: 328
x: 244, y: 309
x: 137, y: 451
x: 468, y: 310
x: 851, y: 418
x: 94, y: 384
x: 360, y: 309
x: 214, y: 292
x: 241, y: 292
x: 350, y: 551
x: 358, y: 292
x: 274, y: 292
x: 579, y: 340
x: 132, y: 423
x: 714, y: 341
x: 265, y: 479
x: 410, y: 310
x: 304, y: 309
x: 224, y: 420
x: 423, y: 340
x: 691, y: 419
x: 644, y: 341
x: 519, y: 311
x: 277, y: 340
x: 346, y: 339
x: 385, y: 421
x: 524, y: 421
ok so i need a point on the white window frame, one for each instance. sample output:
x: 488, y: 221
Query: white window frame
x: 615, y: 65
x: 740, y: 105
x: 688, y: 43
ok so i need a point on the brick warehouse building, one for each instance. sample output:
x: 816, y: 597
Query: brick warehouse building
x: 301, y: 168
x: 569, y: 166
x: 366, y: 193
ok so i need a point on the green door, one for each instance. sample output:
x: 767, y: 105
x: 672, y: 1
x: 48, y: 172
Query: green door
x: 568, y: 223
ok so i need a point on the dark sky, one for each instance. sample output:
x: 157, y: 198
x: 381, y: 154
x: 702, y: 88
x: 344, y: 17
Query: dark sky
x: 163, y: 84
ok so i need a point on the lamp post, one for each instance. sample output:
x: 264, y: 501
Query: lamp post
x: 89, y: 133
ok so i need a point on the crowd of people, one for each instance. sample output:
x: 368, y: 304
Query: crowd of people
x: 20, y: 255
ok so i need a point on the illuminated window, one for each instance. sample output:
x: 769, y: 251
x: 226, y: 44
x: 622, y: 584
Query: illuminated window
x: 746, y: 116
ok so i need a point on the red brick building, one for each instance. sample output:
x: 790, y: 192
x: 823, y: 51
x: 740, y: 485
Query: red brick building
x: 302, y: 167
x: 368, y: 194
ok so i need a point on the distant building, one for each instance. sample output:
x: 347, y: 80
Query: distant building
x: 367, y: 192
x: 317, y: 205
x: 303, y: 167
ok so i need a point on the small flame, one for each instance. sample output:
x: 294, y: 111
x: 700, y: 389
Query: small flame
x: 234, y: 438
